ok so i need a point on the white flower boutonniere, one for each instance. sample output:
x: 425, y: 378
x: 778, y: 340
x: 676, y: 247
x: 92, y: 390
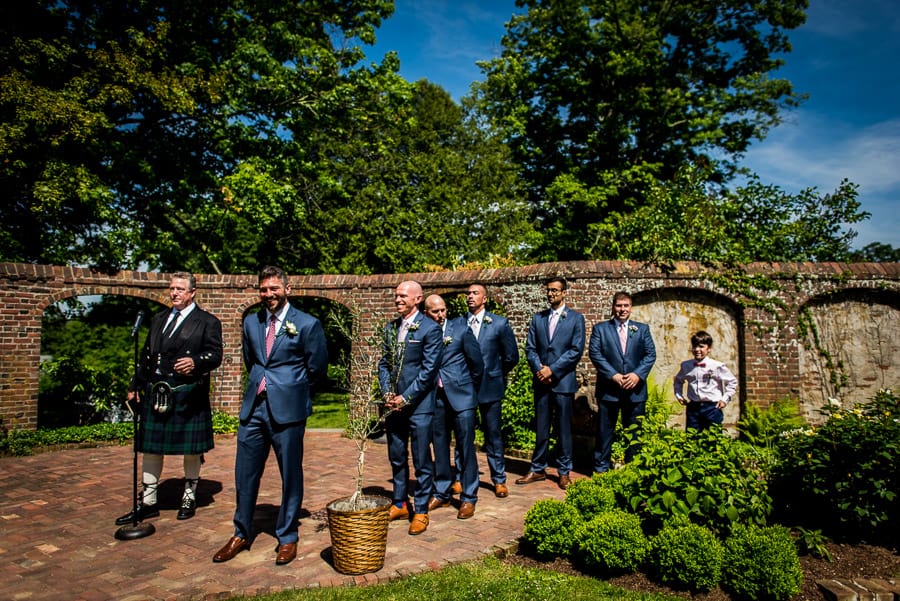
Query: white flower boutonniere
x: 448, y: 340
x: 414, y: 326
x: 289, y: 328
x: 487, y: 320
x: 631, y: 330
x: 563, y: 314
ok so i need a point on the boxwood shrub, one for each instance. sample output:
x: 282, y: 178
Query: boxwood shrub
x: 688, y: 556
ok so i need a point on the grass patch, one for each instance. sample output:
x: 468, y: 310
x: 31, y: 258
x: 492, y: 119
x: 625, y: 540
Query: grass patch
x: 329, y: 411
x: 489, y: 579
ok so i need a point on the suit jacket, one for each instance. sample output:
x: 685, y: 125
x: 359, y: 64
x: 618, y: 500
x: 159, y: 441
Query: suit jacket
x: 605, y: 352
x: 411, y: 369
x: 500, y: 353
x: 461, y: 367
x: 561, y: 354
x: 200, y: 337
x: 296, y: 364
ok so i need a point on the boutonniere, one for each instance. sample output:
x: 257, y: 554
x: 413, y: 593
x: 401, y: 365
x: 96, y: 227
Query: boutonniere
x: 631, y: 330
x: 563, y: 314
x: 487, y: 320
x: 414, y: 326
x: 288, y: 328
x: 448, y: 340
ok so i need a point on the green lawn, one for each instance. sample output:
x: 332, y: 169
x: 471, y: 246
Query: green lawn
x: 490, y: 580
x: 329, y: 411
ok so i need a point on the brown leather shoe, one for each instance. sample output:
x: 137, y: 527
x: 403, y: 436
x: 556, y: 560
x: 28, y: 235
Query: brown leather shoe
x: 235, y: 545
x: 500, y: 491
x: 532, y: 477
x: 466, y: 510
x: 564, y: 481
x: 286, y: 554
x: 456, y: 488
x: 419, y: 523
x: 399, y: 513
x: 436, y: 503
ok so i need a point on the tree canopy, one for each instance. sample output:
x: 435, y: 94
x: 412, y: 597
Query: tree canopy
x: 215, y: 136
x: 601, y: 100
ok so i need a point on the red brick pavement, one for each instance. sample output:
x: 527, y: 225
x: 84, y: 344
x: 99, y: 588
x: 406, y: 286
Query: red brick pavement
x: 57, y: 513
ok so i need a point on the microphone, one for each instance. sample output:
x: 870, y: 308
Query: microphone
x: 137, y: 323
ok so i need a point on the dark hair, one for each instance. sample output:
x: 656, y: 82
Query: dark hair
x: 557, y: 278
x: 270, y: 271
x: 701, y: 337
x: 184, y: 275
x: 620, y: 295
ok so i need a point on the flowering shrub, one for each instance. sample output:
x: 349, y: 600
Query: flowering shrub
x: 842, y: 477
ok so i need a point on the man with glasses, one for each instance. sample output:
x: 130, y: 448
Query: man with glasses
x: 553, y: 349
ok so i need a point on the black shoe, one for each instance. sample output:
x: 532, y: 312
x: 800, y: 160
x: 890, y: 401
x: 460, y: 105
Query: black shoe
x: 188, y: 508
x: 143, y: 512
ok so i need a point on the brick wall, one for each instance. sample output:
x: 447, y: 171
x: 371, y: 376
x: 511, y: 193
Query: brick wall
x: 766, y: 349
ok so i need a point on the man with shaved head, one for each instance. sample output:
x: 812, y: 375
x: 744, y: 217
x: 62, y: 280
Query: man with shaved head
x: 407, y: 375
x: 454, y: 413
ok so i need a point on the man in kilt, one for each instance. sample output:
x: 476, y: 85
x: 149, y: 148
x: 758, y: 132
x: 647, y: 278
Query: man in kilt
x: 172, y: 388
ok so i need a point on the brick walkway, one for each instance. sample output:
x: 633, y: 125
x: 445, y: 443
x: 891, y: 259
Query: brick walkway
x: 57, y: 513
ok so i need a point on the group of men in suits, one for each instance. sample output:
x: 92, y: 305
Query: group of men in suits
x: 434, y: 373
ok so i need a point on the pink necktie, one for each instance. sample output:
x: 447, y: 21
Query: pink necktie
x: 623, y: 337
x: 554, y: 317
x: 270, y: 342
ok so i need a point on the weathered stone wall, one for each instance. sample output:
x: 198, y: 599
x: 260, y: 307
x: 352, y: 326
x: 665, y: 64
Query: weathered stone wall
x: 831, y: 321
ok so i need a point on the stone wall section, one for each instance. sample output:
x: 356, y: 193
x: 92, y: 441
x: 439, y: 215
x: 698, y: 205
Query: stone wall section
x: 854, y: 310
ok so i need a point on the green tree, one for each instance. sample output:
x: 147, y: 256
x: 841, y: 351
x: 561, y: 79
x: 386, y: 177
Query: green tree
x: 690, y: 219
x: 600, y: 100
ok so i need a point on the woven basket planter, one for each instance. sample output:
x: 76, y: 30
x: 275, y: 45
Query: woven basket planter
x: 359, y: 538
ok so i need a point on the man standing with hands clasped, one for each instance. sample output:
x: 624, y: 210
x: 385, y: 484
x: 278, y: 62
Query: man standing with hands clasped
x: 286, y: 355
x: 184, y: 345
x: 553, y: 348
x: 454, y: 409
x: 407, y: 374
x: 623, y: 353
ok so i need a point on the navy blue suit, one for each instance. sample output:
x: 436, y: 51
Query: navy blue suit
x: 456, y: 398
x: 501, y: 354
x: 605, y: 352
x: 277, y: 419
x: 410, y: 369
x: 561, y: 355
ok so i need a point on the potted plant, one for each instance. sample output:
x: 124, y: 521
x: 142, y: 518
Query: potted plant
x: 358, y: 524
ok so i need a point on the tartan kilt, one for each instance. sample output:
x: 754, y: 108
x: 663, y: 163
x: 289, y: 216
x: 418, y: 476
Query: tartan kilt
x: 187, y: 432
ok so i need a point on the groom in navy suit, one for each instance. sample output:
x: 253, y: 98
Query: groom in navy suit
x: 286, y: 355
x: 553, y: 349
x: 623, y: 353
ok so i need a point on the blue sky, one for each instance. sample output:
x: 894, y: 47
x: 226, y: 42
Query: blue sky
x: 844, y: 58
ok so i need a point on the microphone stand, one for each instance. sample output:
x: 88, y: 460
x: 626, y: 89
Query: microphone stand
x: 136, y: 529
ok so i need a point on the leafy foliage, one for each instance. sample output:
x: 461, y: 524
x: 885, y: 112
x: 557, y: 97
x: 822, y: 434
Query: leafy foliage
x: 551, y: 527
x: 761, y: 563
x: 23, y: 442
x: 517, y: 417
x: 590, y: 496
x: 601, y: 100
x: 612, y: 542
x: 842, y: 476
x: 688, y: 556
x: 705, y: 476
x: 763, y: 427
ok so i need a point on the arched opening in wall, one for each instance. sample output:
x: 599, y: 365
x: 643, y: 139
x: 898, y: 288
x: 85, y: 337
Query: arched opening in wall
x: 674, y: 315
x: 848, y: 349
x: 330, y: 399
x: 87, y: 358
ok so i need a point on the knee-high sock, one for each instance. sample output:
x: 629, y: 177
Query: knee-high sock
x: 153, y: 465
x: 191, y: 475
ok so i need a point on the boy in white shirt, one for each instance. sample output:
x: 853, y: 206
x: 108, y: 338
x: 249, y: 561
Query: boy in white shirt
x: 710, y: 385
